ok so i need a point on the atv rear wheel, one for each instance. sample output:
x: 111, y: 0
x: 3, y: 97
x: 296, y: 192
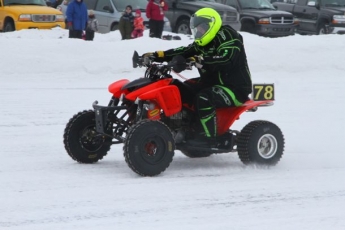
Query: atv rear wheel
x: 260, y: 142
x: 149, y: 147
x: 81, y: 140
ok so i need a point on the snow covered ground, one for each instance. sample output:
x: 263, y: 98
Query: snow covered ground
x: 46, y: 78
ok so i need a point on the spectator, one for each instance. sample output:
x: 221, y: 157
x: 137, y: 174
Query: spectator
x: 155, y: 13
x: 63, y: 7
x: 126, y: 23
x: 76, y: 18
x: 92, y: 26
x: 138, y: 25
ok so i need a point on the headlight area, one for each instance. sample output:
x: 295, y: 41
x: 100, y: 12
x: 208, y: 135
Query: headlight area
x: 25, y: 18
x: 60, y: 18
x: 264, y: 21
x: 338, y: 19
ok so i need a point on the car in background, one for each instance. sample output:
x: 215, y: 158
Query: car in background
x: 28, y: 14
x: 109, y: 12
x: 262, y: 18
x: 316, y: 17
x: 180, y: 11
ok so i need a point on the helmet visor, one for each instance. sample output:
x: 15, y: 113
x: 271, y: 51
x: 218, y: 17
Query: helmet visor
x: 199, y: 26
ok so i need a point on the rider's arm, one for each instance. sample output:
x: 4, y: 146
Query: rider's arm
x: 185, y: 51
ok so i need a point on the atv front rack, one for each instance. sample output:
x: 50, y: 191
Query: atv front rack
x: 110, y: 122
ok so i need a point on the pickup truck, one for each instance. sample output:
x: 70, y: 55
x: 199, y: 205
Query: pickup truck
x: 316, y: 16
x: 262, y: 18
x: 28, y: 14
x: 180, y: 11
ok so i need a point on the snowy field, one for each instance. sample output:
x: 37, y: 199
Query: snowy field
x: 46, y: 78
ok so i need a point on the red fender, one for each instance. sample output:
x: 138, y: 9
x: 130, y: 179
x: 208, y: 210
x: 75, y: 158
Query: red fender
x: 168, y: 98
x: 115, y: 88
x: 227, y: 116
x: 158, y: 84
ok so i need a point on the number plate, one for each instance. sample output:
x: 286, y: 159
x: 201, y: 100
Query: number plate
x: 263, y: 92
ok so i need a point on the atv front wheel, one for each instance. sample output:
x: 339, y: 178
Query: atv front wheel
x: 149, y: 147
x: 81, y: 140
x: 260, y: 142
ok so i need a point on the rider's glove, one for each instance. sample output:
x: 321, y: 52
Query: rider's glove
x: 148, y: 58
x: 198, y: 61
x: 150, y: 55
x: 156, y: 56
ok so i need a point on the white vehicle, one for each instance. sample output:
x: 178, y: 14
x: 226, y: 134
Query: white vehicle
x: 109, y: 12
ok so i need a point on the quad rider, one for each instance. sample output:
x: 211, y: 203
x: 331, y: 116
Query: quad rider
x: 218, y: 53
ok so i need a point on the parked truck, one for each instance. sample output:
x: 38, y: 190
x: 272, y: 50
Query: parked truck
x: 262, y: 18
x: 28, y: 14
x: 316, y: 16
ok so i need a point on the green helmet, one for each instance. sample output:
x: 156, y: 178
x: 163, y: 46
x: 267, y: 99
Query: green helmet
x: 205, y: 24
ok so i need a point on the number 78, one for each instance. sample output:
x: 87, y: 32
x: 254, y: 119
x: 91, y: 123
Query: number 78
x: 263, y: 92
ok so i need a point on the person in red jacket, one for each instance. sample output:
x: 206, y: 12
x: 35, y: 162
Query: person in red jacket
x: 138, y: 25
x: 155, y: 13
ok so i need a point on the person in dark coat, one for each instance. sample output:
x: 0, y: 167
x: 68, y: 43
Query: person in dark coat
x: 76, y: 18
x: 126, y: 23
x: 155, y: 13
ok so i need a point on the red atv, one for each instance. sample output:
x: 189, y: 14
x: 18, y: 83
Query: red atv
x: 148, y: 117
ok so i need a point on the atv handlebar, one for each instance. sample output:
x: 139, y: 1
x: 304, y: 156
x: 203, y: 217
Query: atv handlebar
x: 157, y: 70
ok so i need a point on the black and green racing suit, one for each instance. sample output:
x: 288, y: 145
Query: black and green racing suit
x: 224, y: 76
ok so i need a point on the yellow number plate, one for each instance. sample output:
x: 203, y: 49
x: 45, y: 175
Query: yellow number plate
x: 263, y: 92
